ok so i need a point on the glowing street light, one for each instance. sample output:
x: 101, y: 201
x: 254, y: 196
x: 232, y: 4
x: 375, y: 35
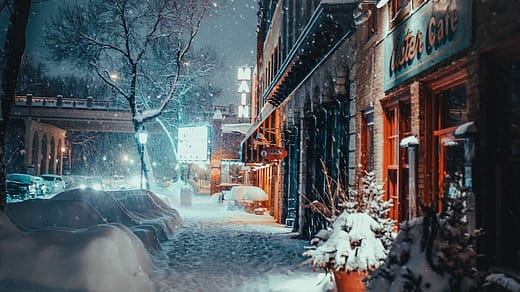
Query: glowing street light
x: 142, y: 137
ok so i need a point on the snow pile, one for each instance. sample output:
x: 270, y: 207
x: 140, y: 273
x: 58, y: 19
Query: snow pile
x: 143, y: 212
x: 171, y: 195
x: 101, y: 258
x: 85, y: 240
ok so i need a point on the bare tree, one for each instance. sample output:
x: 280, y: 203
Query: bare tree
x: 10, y: 62
x: 124, y: 41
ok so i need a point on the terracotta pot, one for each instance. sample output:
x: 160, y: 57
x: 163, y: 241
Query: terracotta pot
x: 351, y: 281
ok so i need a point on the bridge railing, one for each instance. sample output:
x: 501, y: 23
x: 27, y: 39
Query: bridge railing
x: 63, y: 102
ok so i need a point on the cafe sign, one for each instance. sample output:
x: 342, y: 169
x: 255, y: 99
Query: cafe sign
x: 436, y: 31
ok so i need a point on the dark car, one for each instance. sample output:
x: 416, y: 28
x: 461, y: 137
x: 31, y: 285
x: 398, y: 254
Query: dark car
x: 24, y: 186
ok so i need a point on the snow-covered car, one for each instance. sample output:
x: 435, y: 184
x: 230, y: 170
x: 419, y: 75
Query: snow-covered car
x: 55, y: 183
x: 23, y: 186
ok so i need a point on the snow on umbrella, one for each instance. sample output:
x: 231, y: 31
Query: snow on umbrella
x: 248, y: 193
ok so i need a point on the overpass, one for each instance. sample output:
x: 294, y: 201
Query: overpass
x: 46, y: 120
x: 76, y: 114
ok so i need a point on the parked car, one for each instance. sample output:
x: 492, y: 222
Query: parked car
x: 55, y: 183
x: 24, y: 186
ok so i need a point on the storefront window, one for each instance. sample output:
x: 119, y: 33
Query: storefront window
x: 397, y: 127
x: 454, y: 110
x: 231, y: 172
x: 449, y: 153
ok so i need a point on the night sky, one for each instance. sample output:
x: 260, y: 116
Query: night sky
x: 230, y: 28
x: 233, y: 32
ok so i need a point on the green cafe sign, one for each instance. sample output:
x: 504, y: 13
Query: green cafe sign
x: 431, y: 34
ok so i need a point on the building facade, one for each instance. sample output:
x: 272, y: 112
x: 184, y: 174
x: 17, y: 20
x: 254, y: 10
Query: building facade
x: 444, y: 76
x: 418, y: 91
x: 303, y: 100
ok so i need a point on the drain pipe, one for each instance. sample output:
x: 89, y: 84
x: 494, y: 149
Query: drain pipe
x: 411, y: 143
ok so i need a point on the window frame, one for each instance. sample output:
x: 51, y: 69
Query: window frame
x: 395, y: 158
x: 438, y: 132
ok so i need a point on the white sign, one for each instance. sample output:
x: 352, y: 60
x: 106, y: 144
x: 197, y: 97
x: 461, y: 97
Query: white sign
x: 244, y: 73
x: 192, y: 143
x: 243, y: 111
x: 244, y: 77
x: 244, y: 87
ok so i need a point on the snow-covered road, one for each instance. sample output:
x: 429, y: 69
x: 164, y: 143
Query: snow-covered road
x: 230, y: 250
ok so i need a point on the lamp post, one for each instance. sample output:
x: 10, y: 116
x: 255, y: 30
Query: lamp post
x: 142, y: 137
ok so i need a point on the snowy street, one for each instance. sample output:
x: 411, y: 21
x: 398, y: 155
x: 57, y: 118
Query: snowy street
x: 230, y: 250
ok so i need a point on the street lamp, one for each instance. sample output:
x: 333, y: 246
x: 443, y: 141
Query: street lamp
x: 142, y: 137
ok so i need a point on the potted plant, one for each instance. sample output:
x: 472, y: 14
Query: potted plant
x: 358, y: 236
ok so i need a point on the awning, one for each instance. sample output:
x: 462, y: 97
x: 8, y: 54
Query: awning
x: 331, y: 23
x: 329, y: 26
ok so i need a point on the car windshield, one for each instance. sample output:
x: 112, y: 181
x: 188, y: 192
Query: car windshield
x: 48, y: 178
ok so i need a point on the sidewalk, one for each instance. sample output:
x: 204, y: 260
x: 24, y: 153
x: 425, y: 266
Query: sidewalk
x: 231, y: 250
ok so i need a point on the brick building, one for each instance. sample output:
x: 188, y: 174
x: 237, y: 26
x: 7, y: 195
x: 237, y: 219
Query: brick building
x: 225, y: 164
x: 303, y: 98
x: 446, y: 74
x: 414, y: 90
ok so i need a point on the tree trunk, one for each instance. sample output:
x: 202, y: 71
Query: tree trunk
x: 13, y: 52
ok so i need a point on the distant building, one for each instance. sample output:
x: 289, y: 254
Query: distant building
x: 225, y: 164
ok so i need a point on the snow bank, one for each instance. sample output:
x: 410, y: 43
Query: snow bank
x: 146, y: 206
x: 153, y: 220
x: 84, y: 239
x: 101, y: 258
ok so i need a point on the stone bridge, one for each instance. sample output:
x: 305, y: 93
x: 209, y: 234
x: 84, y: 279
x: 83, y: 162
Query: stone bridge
x: 46, y: 121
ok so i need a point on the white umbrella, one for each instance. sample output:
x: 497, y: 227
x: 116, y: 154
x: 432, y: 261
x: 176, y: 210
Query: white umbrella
x: 248, y: 193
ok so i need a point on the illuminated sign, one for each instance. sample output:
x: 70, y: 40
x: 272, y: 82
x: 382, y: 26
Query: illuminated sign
x: 243, y: 111
x: 244, y: 77
x: 244, y: 73
x: 273, y: 153
x: 438, y: 30
x: 192, y: 143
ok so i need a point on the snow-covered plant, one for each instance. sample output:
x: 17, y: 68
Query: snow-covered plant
x: 359, y: 237
x: 432, y: 253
